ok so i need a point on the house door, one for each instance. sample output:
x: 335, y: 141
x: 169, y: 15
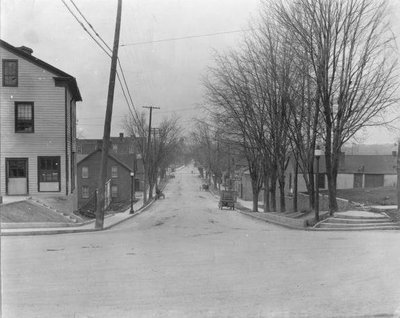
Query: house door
x: 358, y: 180
x: 374, y: 180
x: 17, y: 176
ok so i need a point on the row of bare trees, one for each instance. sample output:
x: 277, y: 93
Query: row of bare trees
x: 312, y: 72
x: 164, y: 150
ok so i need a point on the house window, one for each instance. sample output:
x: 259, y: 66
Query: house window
x: 114, y: 191
x: 114, y: 172
x: 321, y: 181
x: 115, y: 147
x: 24, y: 117
x: 49, y: 174
x: 85, y: 172
x: 10, y: 73
x: 85, y: 192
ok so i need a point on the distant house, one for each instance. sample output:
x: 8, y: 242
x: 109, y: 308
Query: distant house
x: 355, y: 171
x: 359, y: 171
x: 37, y: 127
x: 122, y: 153
x: 118, y: 172
x: 120, y: 145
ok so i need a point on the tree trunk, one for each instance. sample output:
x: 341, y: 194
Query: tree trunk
x: 295, y: 179
x: 329, y: 157
x: 255, y: 202
x: 256, y: 192
x: 282, y: 193
x: 273, y: 193
x: 267, y: 207
x: 311, y: 190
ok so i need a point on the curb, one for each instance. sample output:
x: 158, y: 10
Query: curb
x: 274, y: 221
x: 77, y: 230
x: 65, y: 230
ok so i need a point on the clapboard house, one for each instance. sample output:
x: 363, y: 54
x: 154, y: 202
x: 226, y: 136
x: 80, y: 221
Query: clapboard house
x: 123, y: 159
x: 37, y: 127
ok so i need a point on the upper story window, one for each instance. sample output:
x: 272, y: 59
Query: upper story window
x: 10, y: 73
x: 114, y: 172
x: 85, y: 172
x: 115, y: 147
x: 24, y: 119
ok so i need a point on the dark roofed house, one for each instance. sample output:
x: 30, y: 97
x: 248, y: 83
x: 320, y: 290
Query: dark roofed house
x: 118, y: 173
x: 123, y: 159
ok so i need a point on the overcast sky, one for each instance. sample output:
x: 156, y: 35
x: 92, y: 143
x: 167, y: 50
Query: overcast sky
x: 165, y: 74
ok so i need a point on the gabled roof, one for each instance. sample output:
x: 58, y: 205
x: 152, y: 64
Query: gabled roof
x: 61, y: 76
x: 109, y: 155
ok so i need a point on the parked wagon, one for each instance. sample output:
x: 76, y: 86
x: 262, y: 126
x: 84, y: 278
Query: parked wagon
x: 227, y: 199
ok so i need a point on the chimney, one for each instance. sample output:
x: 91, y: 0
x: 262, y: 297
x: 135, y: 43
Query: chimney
x: 26, y: 50
x: 121, y: 136
x: 394, y: 153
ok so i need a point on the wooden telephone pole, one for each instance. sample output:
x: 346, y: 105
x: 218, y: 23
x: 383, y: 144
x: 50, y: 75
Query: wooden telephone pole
x: 107, y: 124
x: 146, y: 162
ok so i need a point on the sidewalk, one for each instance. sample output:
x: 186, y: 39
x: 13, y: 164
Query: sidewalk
x: 109, y: 222
x: 49, y: 228
x: 279, y: 218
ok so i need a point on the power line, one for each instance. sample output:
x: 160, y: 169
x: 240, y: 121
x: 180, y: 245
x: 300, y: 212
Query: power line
x: 134, y: 114
x: 185, y: 37
x: 97, y: 34
x: 161, y: 111
x: 86, y: 30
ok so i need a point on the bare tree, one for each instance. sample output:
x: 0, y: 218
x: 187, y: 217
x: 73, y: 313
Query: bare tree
x: 349, y: 48
x: 166, y: 147
x: 229, y: 93
x: 162, y: 149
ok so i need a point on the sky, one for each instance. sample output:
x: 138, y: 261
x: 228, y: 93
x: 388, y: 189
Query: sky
x: 160, y: 70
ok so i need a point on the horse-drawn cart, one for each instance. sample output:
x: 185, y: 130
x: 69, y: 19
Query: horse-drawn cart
x: 227, y: 199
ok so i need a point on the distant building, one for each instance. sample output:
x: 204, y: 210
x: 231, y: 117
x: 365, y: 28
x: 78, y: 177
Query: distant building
x: 118, y: 173
x: 355, y: 171
x: 37, y: 127
x: 124, y: 158
x: 359, y: 171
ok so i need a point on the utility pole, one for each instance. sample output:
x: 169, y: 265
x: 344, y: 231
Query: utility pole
x: 146, y: 163
x: 154, y: 150
x: 107, y: 123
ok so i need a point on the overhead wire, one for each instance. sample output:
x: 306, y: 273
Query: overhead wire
x: 119, y: 62
x: 185, y: 37
x: 130, y: 106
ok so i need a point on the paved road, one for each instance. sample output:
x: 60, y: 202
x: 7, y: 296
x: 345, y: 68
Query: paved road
x: 186, y: 258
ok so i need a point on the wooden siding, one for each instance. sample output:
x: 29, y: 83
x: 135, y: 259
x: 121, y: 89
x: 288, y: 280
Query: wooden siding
x: 93, y: 162
x: 38, y: 86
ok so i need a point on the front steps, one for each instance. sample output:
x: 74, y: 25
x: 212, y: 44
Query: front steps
x: 369, y: 221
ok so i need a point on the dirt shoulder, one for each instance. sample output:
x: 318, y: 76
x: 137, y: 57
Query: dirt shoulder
x: 29, y: 211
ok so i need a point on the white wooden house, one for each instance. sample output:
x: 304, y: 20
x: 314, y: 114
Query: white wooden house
x: 37, y: 126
